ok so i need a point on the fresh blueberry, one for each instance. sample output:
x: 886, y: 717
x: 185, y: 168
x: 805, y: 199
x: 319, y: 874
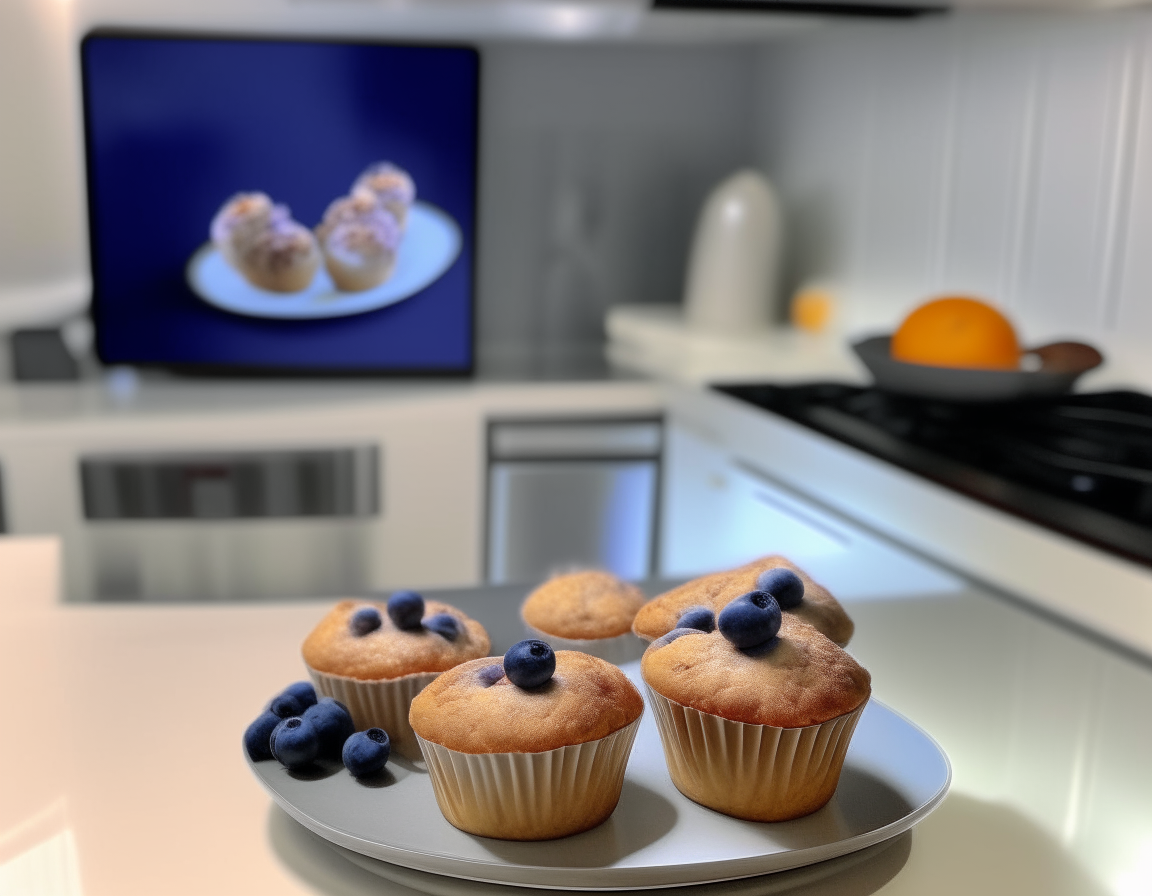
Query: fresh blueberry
x: 444, y: 624
x: 530, y: 663
x: 701, y: 618
x: 489, y: 675
x: 750, y: 620
x: 782, y: 584
x: 406, y: 609
x: 365, y: 752
x: 365, y: 621
x: 256, y: 737
x: 285, y: 705
x: 294, y: 742
x: 333, y: 725
x: 678, y: 632
x: 302, y: 691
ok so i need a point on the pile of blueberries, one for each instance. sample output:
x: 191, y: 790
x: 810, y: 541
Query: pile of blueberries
x: 752, y: 620
x: 296, y: 729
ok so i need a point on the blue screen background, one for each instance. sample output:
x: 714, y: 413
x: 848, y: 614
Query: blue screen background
x: 177, y: 126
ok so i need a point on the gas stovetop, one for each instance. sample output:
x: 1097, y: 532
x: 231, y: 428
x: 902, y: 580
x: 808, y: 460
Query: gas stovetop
x: 1078, y: 464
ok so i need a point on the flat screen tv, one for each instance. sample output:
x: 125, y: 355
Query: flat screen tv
x: 281, y: 205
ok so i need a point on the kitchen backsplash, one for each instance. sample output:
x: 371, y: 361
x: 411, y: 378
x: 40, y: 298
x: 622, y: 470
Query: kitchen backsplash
x: 595, y: 161
x: 1005, y: 155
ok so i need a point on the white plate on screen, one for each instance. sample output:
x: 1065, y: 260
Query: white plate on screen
x: 894, y: 775
x: 432, y: 241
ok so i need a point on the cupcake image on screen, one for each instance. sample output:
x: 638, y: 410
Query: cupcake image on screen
x: 359, y: 238
x: 261, y: 241
x: 392, y: 186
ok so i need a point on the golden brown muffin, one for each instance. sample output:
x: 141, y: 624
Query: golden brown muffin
x: 757, y: 734
x: 583, y: 606
x: 803, y: 680
x: 818, y: 608
x: 528, y: 763
x: 389, y: 652
x: 587, y: 699
x: 377, y: 674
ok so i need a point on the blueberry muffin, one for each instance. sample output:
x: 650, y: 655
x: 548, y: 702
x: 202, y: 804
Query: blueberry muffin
x: 795, y: 591
x: 755, y: 715
x: 591, y: 611
x: 529, y: 747
x: 374, y: 657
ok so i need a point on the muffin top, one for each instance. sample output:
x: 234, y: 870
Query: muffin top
x: 583, y: 606
x: 800, y: 678
x: 818, y: 607
x: 387, y: 651
x: 474, y: 708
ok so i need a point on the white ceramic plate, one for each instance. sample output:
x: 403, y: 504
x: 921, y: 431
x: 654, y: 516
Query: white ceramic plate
x: 431, y: 243
x: 882, y: 854
x: 894, y: 775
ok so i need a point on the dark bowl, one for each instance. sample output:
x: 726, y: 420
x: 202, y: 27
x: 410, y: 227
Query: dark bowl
x: 1061, y: 364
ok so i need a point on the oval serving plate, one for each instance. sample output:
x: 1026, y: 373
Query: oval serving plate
x: 431, y: 244
x: 894, y: 776
x: 960, y: 384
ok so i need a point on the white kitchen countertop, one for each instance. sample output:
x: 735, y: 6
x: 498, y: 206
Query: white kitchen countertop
x: 122, y: 772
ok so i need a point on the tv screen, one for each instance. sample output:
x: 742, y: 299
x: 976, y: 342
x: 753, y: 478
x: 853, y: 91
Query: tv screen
x: 273, y: 205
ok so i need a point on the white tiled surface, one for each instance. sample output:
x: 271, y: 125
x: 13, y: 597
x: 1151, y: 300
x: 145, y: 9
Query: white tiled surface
x: 999, y: 154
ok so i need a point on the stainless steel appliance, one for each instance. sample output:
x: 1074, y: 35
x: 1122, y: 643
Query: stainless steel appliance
x: 570, y: 493
x: 180, y: 525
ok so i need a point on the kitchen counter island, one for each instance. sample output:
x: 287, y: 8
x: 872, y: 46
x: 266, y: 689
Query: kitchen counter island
x: 121, y: 767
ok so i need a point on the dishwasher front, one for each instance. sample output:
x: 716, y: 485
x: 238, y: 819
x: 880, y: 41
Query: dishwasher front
x: 572, y: 493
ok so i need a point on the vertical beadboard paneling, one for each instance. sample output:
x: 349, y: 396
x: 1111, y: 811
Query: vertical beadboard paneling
x: 1065, y: 265
x: 913, y: 73
x: 815, y: 139
x: 989, y: 192
x: 1008, y: 155
x: 1133, y: 312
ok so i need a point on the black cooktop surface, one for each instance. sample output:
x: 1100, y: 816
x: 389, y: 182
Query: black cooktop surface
x: 1078, y: 464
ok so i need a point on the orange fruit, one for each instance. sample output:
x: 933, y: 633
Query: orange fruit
x: 956, y: 331
x: 812, y: 309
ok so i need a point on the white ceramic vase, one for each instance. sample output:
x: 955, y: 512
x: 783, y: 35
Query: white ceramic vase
x: 732, y: 272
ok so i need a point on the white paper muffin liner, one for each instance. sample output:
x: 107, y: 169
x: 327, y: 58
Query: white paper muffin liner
x: 617, y: 650
x: 755, y: 772
x: 530, y: 796
x: 379, y: 704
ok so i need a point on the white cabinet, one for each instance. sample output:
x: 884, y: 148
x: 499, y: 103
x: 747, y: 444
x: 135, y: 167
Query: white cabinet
x: 719, y: 512
x: 421, y: 444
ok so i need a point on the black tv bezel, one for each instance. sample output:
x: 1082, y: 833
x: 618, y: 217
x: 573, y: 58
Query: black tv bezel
x: 265, y: 371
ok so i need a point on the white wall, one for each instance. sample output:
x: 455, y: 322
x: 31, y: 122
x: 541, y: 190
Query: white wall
x: 1005, y: 155
x: 43, y: 256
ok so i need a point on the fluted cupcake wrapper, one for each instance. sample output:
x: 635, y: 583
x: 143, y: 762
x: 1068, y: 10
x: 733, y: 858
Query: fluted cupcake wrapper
x: 755, y: 772
x: 379, y: 704
x: 530, y: 796
x: 618, y: 650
